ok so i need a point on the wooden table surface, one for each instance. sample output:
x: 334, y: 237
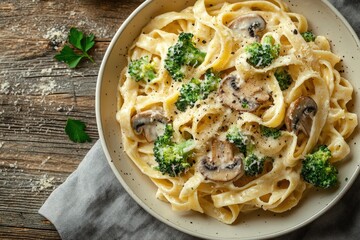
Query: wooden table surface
x: 37, y: 96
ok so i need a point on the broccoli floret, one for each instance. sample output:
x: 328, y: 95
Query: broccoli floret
x: 183, y: 53
x: 189, y: 94
x: 142, y: 69
x: 270, y: 132
x: 196, y: 89
x: 317, y: 170
x: 262, y: 54
x: 210, y: 83
x: 284, y: 78
x: 240, y: 140
x: 308, y: 36
x: 172, y: 157
x: 253, y: 165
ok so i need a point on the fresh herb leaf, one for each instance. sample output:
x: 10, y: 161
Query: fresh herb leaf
x: 80, y: 41
x: 75, y: 129
x: 68, y: 56
x: 75, y: 38
x: 88, y: 42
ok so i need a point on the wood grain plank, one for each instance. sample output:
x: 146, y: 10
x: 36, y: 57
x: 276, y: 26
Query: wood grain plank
x: 38, y: 94
x: 27, y: 220
x: 27, y: 233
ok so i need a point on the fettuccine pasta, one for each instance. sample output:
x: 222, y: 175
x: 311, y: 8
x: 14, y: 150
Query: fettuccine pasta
x: 248, y: 97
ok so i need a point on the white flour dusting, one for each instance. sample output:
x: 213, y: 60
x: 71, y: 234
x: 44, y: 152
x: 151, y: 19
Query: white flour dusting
x: 5, y: 88
x: 13, y: 165
x: 57, y: 36
x: 43, y: 183
x: 47, y: 88
x: 46, y: 71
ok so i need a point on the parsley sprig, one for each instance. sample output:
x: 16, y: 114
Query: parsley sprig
x: 75, y: 129
x: 80, y: 41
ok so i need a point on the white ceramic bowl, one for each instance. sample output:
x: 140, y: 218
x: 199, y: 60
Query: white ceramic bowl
x: 324, y: 20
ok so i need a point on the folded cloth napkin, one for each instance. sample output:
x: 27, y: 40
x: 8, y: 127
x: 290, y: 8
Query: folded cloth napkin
x: 91, y: 203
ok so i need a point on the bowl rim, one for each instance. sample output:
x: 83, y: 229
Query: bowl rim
x: 100, y: 128
x: 349, y: 183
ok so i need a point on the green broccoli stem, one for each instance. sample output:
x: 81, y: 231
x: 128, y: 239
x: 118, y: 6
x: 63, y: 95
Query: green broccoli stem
x: 172, y: 158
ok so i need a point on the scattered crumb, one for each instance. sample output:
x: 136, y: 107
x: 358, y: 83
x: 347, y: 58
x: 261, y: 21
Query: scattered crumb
x: 67, y: 109
x: 57, y: 36
x: 44, y: 183
x: 13, y: 165
x: 60, y: 109
x: 47, y: 87
x: 45, y: 161
x: 70, y: 109
x: 5, y: 88
x: 46, y: 71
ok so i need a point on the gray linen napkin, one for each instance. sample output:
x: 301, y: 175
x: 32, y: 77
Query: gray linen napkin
x: 92, y: 204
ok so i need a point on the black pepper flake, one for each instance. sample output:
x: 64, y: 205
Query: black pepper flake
x: 296, y: 31
x: 203, y: 41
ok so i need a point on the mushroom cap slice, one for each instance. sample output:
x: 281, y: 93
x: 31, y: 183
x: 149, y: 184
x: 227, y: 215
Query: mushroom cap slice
x: 243, y: 96
x: 150, y: 123
x: 224, y: 165
x: 248, y: 25
x: 300, y: 115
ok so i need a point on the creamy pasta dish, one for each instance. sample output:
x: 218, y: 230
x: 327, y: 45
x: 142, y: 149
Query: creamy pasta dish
x: 234, y: 106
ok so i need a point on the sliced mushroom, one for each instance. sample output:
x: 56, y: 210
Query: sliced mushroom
x: 150, y: 123
x: 300, y: 115
x: 245, y: 96
x: 248, y: 25
x: 225, y: 163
